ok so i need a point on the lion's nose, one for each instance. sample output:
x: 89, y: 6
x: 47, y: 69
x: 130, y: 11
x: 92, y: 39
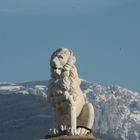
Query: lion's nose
x: 57, y: 71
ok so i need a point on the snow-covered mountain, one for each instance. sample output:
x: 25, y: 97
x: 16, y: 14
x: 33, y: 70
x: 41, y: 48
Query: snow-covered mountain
x: 25, y: 114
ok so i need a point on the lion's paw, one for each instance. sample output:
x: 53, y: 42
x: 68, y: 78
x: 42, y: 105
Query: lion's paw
x: 53, y: 132
x: 82, y: 131
x: 72, y: 131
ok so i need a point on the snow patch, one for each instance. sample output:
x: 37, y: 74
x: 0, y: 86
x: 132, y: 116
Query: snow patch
x: 88, y: 90
x: 24, y: 92
x: 6, y: 83
x: 102, y: 97
x: 11, y: 87
x: 137, y: 135
x: 136, y: 117
x: 40, y: 87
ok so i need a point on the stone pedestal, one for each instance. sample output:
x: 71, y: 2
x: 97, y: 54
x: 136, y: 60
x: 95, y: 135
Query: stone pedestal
x: 72, y: 138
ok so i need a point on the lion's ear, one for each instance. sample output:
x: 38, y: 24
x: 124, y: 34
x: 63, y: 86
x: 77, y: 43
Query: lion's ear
x: 71, y: 61
x: 71, y: 53
x: 72, y: 56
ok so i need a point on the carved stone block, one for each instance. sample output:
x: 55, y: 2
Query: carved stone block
x: 73, y: 138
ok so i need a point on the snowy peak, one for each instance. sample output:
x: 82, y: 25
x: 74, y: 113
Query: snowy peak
x: 118, y: 110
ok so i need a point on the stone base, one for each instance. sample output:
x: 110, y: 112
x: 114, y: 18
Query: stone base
x: 72, y: 138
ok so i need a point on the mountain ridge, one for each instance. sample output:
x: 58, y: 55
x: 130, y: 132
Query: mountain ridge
x: 117, y: 109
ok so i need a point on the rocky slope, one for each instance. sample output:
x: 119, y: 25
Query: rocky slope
x: 24, y: 112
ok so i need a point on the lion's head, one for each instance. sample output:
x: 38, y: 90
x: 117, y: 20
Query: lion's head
x: 63, y: 65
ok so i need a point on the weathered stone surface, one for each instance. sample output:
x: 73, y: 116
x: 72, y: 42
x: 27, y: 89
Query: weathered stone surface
x: 71, y: 112
x: 73, y: 138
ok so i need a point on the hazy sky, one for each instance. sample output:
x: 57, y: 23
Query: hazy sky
x: 103, y: 34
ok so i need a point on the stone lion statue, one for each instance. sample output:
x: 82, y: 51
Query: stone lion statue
x: 72, y: 114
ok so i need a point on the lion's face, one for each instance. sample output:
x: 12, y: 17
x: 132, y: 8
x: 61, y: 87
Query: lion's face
x: 58, y: 62
x: 56, y: 68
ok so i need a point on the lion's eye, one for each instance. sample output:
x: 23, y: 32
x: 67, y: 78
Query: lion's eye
x: 54, y: 68
x: 61, y: 57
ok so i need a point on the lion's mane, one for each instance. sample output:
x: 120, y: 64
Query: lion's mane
x: 68, y: 83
